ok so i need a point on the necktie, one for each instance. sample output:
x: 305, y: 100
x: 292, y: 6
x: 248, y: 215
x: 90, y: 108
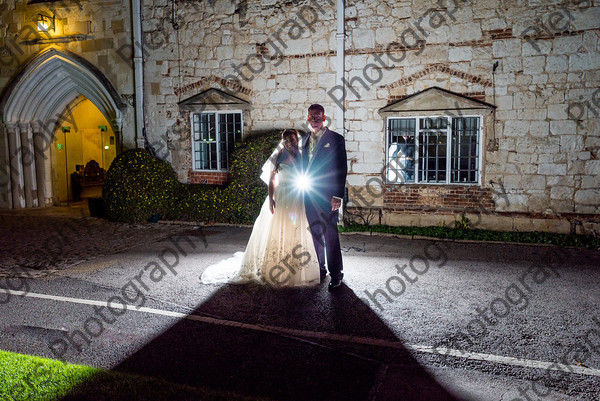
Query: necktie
x: 312, y: 144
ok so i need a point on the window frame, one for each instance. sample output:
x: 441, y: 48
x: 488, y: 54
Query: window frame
x: 450, y: 132
x: 217, y: 137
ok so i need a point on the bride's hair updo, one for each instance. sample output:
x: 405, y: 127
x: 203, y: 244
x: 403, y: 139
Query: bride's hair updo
x: 290, y: 131
x: 286, y: 133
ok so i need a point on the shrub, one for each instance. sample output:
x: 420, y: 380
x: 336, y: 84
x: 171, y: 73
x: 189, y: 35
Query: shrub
x: 241, y: 200
x: 138, y: 186
x: 244, y: 196
x: 199, y: 203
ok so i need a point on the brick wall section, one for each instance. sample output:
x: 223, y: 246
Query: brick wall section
x: 499, y: 33
x: 439, y: 199
x: 432, y: 68
x: 473, y: 95
x: 208, y: 177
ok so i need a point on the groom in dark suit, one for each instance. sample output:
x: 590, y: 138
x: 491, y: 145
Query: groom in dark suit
x: 324, y: 158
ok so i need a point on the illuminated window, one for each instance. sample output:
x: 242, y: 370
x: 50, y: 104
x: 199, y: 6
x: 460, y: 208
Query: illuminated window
x: 433, y: 149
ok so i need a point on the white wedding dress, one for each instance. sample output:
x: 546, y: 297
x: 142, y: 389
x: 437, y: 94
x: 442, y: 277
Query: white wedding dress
x: 280, y: 251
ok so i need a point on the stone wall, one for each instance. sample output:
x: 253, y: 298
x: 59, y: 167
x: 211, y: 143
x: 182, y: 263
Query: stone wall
x: 542, y: 147
x: 237, y: 46
x: 97, y: 34
x: 100, y: 32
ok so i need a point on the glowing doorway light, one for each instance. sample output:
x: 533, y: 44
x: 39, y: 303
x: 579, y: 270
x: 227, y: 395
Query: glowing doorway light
x: 45, y: 23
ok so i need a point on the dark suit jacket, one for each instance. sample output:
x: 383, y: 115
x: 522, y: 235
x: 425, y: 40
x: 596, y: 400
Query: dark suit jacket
x: 327, y: 169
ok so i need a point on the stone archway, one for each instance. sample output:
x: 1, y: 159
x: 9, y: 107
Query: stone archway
x: 32, y: 109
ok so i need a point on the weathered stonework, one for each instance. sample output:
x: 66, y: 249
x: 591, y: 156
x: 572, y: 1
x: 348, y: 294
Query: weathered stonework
x: 85, y: 54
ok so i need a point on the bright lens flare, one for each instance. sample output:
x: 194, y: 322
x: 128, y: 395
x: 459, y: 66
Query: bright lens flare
x: 303, y: 182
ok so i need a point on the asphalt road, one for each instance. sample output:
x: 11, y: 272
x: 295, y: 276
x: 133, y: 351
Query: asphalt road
x: 416, y: 319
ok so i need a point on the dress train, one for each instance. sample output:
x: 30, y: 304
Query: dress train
x: 280, y: 251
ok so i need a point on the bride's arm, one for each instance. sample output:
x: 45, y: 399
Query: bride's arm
x: 272, y: 191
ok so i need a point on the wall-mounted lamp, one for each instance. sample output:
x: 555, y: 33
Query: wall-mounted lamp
x: 45, y: 23
x: 102, y: 128
x: 66, y: 129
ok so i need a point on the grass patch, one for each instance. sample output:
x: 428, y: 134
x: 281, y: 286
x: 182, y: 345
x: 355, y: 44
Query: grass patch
x: 462, y: 233
x: 31, y: 378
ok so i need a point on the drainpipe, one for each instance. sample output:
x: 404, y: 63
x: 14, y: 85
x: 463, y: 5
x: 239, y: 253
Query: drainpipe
x: 339, y: 116
x: 138, y: 63
x: 340, y: 64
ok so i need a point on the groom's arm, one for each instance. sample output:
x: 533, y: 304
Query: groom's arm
x: 340, y: 170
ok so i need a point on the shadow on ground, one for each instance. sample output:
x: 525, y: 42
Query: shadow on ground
x: 284, y: 365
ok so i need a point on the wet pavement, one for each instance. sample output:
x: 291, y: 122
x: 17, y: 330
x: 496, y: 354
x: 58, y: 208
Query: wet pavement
x: 374, y: 340
x: 41, y: 241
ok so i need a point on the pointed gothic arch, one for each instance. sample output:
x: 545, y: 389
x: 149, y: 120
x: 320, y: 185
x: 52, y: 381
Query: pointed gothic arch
x: 33, y: 105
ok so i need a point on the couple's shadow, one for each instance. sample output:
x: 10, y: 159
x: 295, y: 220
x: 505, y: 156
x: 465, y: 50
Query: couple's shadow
x: 298, y: 344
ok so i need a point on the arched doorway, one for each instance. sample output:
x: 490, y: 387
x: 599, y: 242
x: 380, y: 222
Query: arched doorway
x: 35, y: 107
x: 81, y: 142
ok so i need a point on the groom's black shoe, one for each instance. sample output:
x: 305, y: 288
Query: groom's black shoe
x: 335, y: 283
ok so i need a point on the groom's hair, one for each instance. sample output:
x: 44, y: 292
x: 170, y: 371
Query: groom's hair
x: 316, y: 107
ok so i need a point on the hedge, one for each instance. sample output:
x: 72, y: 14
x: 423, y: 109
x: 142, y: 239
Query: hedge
x: 139, y: 186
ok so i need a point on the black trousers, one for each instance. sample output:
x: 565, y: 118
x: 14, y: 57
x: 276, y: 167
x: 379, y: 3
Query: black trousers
x: 323, y: 226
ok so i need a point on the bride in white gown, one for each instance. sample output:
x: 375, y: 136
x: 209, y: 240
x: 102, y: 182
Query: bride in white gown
x: 280, y: 251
